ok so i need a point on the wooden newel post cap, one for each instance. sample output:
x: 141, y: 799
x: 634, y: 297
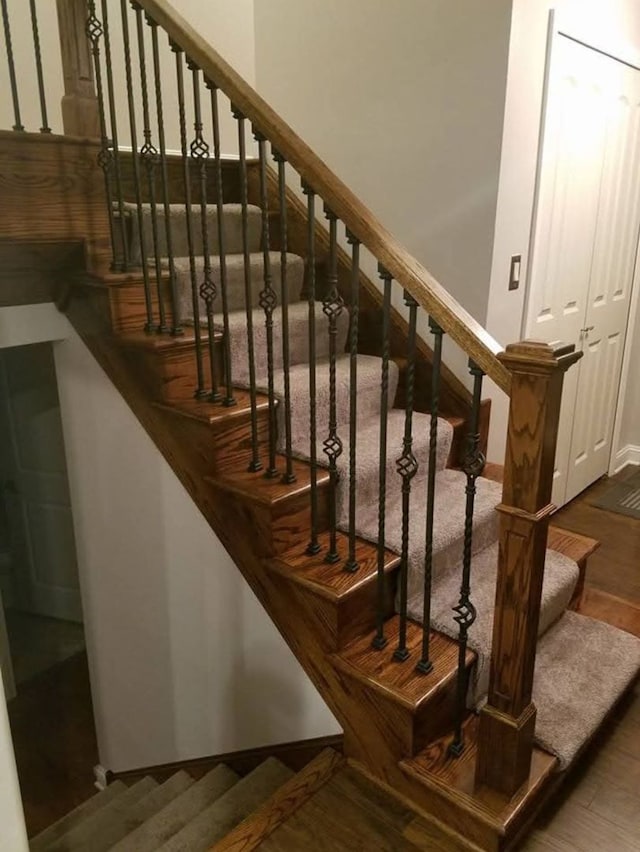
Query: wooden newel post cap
x: 534, y: 356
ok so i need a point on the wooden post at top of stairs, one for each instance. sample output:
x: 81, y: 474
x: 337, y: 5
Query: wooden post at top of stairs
x: 507, y: 722
x: 80, y: 116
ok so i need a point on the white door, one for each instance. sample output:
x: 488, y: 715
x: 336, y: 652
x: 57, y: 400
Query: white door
x: 585, y: 244
x: 35, y: 488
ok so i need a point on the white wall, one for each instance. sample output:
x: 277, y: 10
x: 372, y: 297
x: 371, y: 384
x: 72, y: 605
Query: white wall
x: 227, y: 24
x: 612, y: 25
x: 404, y: 101
x: 13, y: 834
x: 184, y: 661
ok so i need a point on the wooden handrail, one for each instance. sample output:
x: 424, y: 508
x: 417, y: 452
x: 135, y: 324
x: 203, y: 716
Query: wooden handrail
x: 478, y: 344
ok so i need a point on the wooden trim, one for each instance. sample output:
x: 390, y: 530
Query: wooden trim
x: 251, y: 832
x: 430, y: 295
x: 507, y: 722
x: 294, y: 754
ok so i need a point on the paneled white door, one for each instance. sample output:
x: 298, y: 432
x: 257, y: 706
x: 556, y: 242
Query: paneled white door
x: 585, y: 245
x: 35, y: 486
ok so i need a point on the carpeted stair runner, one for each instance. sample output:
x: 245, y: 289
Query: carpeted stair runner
x: 448, y: 531
x: 180, y: 814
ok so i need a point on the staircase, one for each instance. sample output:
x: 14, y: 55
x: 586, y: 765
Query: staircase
x: 340, y: 463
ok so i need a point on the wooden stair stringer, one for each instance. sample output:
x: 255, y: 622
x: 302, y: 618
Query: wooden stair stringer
x: 370, y: 729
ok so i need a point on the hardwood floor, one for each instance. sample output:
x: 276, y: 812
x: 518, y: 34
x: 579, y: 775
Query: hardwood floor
x: 615, y: 567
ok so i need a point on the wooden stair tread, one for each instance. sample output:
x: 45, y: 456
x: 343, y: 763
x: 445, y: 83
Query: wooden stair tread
x: 258, y: 488
x: 454, y: 777
x: 215, y: 412
x: 401, y: 680
x: 332, y: 581
x: 165, y: 342
x: 573, y: 545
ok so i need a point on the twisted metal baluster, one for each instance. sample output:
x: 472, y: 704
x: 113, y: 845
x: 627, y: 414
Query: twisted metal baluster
x: 94, y: 32
x: 176, y: 328
x: 150, y: 158
x: 465, y: 616
x: 268, y: 302
x: 12, y: 68
x: 114, y: 138
x: 380, y: 640
x: 199, y: 150
x: 229, y: 399
x: 407, y: 466
x: 332, y: 307
x: 255, y: 464
x: 425, y: 665
x: 314, y: 545
x: 351, y: 564
x: 288, y: 475
x: 38, y: 57
x: 149, y: 325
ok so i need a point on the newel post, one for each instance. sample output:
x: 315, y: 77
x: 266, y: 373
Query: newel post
x: 80, y: 116
x: 507, y: 722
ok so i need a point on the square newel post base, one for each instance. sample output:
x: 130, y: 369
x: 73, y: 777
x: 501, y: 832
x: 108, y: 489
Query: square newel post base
x: 505, y: 747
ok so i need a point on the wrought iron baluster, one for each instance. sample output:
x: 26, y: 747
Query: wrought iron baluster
x: 465, y: 612
x: 150, y: 158
x: 114, y: 138
x: 332, y: 307
x: 229, y: 399
x: 288, y: 475
x: 380, y: 640
x: 94, y: 32
x: 176, y: 327
x: 255, y: 464
x: 407, y: 466
x: 351, y: 564
x: 200, y: 391
x: 12, y: 68
x: 149, y: 325
x: 38, y: 57
x: 268, y: 301
x: 425, y: 665
x: 199, y: 150
x: 314, y: 545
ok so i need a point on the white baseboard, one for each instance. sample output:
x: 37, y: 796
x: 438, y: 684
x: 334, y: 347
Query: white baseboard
x: 627, y: 455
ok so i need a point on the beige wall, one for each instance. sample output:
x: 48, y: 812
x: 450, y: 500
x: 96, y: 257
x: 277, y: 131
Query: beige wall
x: 13, y: 834
x: 404, y: 101
x: 612, y: 25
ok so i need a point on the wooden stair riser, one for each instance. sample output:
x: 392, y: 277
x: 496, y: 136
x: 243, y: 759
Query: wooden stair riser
x: 177, y: 373
x: 128, y: 305
x: 339, y: 621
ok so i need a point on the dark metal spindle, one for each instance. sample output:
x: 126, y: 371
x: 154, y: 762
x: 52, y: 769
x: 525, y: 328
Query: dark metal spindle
x: 425, y: 665
x: 228, y: 399
x: 94, y: 32
x: 114, y: 137
x: 465, y: 616
x: 149, y: 325
x: 351, y: 564
x: 314, y: 545
x: 208, y: 290
x: 268, y: 302
x: 12, y: 68
x: 407, y: 466
x: 255, y: 463
x: 38, y: 56
x: 200, y: 391
x: 332, y: 307
x: 176, y: 328
x: 149, y: 158
x: 380, y: 640
x: 288, y: 475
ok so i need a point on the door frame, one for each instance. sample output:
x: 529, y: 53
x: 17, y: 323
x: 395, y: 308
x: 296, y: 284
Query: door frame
x: 562, y: 25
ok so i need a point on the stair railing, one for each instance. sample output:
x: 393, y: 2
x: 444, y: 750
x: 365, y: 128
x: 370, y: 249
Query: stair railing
x: 531, y: 374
